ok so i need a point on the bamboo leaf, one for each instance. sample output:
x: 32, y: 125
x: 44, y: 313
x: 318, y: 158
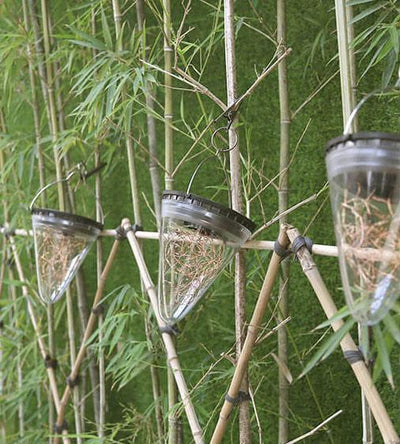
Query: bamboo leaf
x: 383, y: 355
x: 284, y: 368
x: 358, y: 2
x: 392, y: 327
x: 329, y: 346
x: 366, y: 13
x: 340, y: 314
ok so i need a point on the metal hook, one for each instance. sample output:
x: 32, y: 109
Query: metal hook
x: 80, y: 169
x: 364, y: 99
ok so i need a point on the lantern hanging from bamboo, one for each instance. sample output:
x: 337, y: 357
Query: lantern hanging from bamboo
x: 62, y: 241
x: 198, y: 239
x: 364, y: 177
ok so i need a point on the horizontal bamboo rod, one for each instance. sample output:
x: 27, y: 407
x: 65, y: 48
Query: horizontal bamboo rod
x: 347, y: 344
x: 251, y: 336
x: 318, y: 249
x: 172, y: 356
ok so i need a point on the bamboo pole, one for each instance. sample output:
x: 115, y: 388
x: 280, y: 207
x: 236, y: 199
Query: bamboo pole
x: 251, y: 336
x: 283, y: 313
x: 89, y: 329
x: 348, y: 78
x: 151, y: 125
x: 236, y: 194
x: 347, y: 344
x: 172, y: 357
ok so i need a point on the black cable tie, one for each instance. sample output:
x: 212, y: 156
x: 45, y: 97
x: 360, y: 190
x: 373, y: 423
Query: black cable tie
x: 72, y: 382
x: 281, y: 251
x: 169, y: 329
x: 1, y: 325
x: 99, y: 309
x: 353, y: 356
x: 122, y: 232
x: 241, y: 397
x: 50, y: 362
x: 94, y: 171
x: 58, y: 429
x: 300, y: 242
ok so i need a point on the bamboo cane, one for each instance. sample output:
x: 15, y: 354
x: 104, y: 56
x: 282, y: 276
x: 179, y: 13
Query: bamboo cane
x: 172, y: 357
x: 252, y: 331
x: 283, y: 206
x: 89, y: 329
x: 347, y: 344
x: 236, y: 193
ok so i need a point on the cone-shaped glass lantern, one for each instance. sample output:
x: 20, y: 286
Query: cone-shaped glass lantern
x: 62, y: 241
x: 198, y: 238
x: 364, y: 177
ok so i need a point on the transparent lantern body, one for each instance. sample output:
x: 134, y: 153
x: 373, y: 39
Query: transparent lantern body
x: 62, y: 241
x: 364, y: 177
x: 198, y: 239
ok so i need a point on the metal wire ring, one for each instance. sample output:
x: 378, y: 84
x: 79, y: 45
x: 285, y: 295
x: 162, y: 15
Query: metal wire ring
x: 221, y: 150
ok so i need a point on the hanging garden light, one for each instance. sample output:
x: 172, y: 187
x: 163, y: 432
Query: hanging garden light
x: 198, y: 239
x: 364, y: 177
x: 62, y: 241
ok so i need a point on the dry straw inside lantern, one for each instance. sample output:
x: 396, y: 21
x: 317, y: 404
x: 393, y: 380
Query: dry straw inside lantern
x: 198, y: 238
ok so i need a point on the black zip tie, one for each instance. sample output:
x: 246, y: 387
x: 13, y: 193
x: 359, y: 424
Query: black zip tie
x: 124, y: 231
x: 71, y: 383
x: 59, y: 429
x: 50, y: 362
x: 94, y: 171
x: 300, y: 242
x: 353, y: 356
x: 281, y: 251
x: 1, y: 325
x: 169, y: 329
x: 241, y: 397
x: 99, y: 309
x: 120, y: 233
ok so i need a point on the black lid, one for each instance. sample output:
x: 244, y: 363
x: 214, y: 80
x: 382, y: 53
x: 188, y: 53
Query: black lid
x: 367, y: 135
x: 215, y: 207
x: 67, y: 216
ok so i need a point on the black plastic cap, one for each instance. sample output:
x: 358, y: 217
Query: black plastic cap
x: 210, y: 205
x: 68, y: 216
x: 368, y: 135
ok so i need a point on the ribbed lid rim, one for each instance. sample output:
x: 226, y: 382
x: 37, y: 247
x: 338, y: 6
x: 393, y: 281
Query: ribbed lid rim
x: 331, y: 144
x: 68, y: 216
x: 210, y: 205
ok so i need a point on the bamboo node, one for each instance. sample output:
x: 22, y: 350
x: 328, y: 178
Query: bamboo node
x: 169, y: 329
x: 353, y: 356
x: 58, y: 429
x: 72, y: 382
x: 241, y: 397
x: 99, y: 309
x: 50, y: 362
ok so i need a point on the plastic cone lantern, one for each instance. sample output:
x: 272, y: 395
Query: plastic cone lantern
x: 62, y: 241
x: 198, y: 239
x: 364, y: 177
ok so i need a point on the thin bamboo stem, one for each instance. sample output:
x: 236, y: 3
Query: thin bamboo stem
x: 347, y: 344
x: 89, y: 329
x: 236, y: 195
x: 283, y: 311
x: 251, y: 336
x: 172, y: 357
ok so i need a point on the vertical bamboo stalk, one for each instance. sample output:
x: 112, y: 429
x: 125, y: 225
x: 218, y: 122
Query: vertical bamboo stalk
x: 251, y: 336
x: 151, y: 125
x: 347, y: 64
x: 172, y: 356
x: 236, y: 193
x: 283, y: 206
x: 155, y: 183
x: 347, y: 344
x: 173, y: 428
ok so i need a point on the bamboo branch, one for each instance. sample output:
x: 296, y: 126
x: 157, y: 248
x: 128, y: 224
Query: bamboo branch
x: 251, y: 337
x: 172, y: 357
x: 347, y: 344
x: 89, y: 329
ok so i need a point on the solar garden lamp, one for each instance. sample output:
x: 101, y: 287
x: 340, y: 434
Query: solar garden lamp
x: 364, y: 176
x: 198, y: 238
x: 62, y: 241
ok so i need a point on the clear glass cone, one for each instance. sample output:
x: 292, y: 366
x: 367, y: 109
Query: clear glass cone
x: 364, y: 178
x: 61, y: 245
x: 196, y: 244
